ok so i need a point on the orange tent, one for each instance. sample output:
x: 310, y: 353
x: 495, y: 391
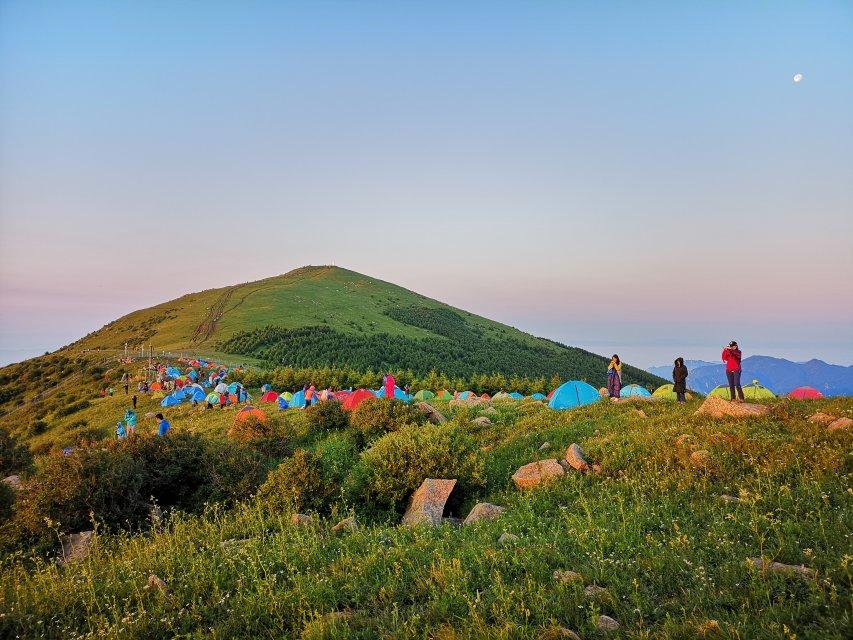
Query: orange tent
x: 250, y: 412
x: 156, y: 386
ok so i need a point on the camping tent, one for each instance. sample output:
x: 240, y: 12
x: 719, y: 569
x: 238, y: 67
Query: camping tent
x: 196, y: 393
x: 212, y: 397
x: 250, y: 412
x: 573, y: 393
x: 341, y: 396
x: 720, y: 391
x: 357, y: 397
x: 282, y: 403
x: 805, y: 393
x: 485, y: 397
x: 515, y: 395
x: 171, y: 400
x: 287, y: 396
x: 634, y: 391
x: 465, y: 395
x: 297, y: 400
x: 755, y: 391
x: 423, y: 395
x: 399, y: 394
x: 538, y: 396
x: 269, y: 396
x: 444, y: 394
x: 501, y: 395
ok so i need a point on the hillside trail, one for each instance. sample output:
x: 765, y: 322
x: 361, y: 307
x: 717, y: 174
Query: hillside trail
x: 207, y: 327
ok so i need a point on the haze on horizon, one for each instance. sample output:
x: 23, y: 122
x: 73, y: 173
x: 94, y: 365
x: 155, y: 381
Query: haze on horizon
x: 644, y: 179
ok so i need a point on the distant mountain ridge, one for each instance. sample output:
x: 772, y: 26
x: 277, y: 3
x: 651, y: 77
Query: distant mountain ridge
x: 777, y: 374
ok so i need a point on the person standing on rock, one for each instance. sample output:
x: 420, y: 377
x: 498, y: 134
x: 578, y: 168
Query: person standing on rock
x: 679, y: 380
x: 614, y: 377
x: 732, y: 357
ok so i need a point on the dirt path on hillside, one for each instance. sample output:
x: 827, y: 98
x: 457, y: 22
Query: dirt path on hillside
x: 207, y: 326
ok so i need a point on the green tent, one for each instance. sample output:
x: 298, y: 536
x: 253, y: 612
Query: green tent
x: 756, y: 392
x: 444, y: 395
x: 721, y: 391
x: 501, y: 395
x: 665, y: 392
x: 423, y: 395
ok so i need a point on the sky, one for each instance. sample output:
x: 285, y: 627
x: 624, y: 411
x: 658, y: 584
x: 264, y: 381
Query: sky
x: 641, y: 178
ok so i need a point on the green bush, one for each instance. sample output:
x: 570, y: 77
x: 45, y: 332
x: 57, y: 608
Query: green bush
x: 377, y: 416
x: 7, y: 497
x: 298, y: 483
x: 14, y: 456
x: 328, y: 416
x: 390, y: 470
x: 73, y: 407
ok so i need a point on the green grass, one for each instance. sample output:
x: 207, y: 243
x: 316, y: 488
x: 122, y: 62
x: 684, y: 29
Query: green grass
x: 651, y: 529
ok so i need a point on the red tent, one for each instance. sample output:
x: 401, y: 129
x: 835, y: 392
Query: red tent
x: 356, y: 398
x: 551, y: 394
x: 341, y: 396
x: 805, y: 393
x: 269, y: 396
x: 250, y: 412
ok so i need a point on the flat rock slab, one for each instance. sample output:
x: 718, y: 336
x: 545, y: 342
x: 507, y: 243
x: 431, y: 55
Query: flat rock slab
x: 483, y: 511
x: 777, y: 567
x: 75, y: 547
x: 606, y: 623
x: 433, y: 415
x: 719, y: 408
x: 427, y: 503
x: 821, y: 418
x: 537, y: 473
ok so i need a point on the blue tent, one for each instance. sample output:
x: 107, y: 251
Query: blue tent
x: 538, y: 396
x: 172, y: 372
x: 282, y: 403
x: 232, y: 388
x: 399, y: 394
x: 298, y: 400
x: 515, y: 395
x: 171, y: 400
x: 573, y: 393
x: 264, y: 388
x: 197, y: 393
x: 193, y: 375
x: 634, y: 391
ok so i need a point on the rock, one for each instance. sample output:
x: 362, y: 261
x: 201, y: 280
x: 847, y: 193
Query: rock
x: 558, y: 633
x: 821, y: 418
x: 301, y: 518
x: 719, y: 408
x: 75, y: 547
x: 842, y: 424
x: 450, y: 521
x: 537, y: 473
x: 490, y: 410
x: 777, y: 567
x: 157, y: 584
x: 506, y: 538
x: 701, y: 459
x: 433, y: 415
x: 14, y: 482
x: 545, y: 446
x: 576, y: 457
x: 427, y: 503
x: 347, y: 524
x: 150, y: 415
x: 565, y: 576
x: 684, y: 440
x: 483, y: 511
x: 730, y: 499
x: 597, y: 469
x: 594, y: 591
x: 482, y: 421
x: 639, y: 413
x: 606, y: 623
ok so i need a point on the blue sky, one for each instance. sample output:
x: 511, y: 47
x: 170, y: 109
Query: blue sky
x: 635, y: 177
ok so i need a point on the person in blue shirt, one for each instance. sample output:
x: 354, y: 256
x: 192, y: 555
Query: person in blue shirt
x: 162, y: 425
x: 130, y: 419
x: 121, y: 433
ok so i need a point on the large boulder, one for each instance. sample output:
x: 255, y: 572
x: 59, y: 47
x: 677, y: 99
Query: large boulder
x: 537, y: 473
x: 719, y: 408
x: 75, y: 547
x: 577, y: 458
x: 427, y: 503
x: 483, y: 511
x: 433, y: 415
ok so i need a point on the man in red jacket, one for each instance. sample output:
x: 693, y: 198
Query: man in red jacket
x: 732, y: 356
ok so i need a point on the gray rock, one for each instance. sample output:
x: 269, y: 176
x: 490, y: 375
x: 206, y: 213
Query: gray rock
x: 506, y: 538
x: 14, y: 482
x: 537, y: 473
x: 777, y: 567
x: 545, y: 446
x: 433, y: 415
x: 594, y: 591
x: 606, y: 623
x: 75, y: 547
x: 427, y: 503
x: 576, y: 457
x: 347, y: 524
x: 558, y: 633
x: 731, y: 499
x: 301, y: 518
x: 565, y: 576
x: 482, y: 421
x: 483, y: 511
x: 157, y: 584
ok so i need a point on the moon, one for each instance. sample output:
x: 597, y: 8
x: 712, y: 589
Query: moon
x: 798, y: 77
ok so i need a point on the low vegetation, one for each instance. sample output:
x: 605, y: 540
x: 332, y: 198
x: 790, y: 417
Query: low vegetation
x: 662, y: 538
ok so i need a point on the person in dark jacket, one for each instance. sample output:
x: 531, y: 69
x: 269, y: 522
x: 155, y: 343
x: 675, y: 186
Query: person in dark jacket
x: 732, y: 357
x: 679, y: 380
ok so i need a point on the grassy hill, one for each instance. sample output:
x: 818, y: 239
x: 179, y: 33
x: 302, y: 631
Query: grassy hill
x: 668, y: 528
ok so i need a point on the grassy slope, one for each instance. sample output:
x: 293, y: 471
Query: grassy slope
x: 652, y: 530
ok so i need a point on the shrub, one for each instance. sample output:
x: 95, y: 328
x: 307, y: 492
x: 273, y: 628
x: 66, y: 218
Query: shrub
x: 14, y: 456
x: 298, y: 483
x: 390, y: 470
x: 7, y: 497
x: 376, y: 417
x: 247, y: 429
x: 72, y: 407
x: 328, y: 416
